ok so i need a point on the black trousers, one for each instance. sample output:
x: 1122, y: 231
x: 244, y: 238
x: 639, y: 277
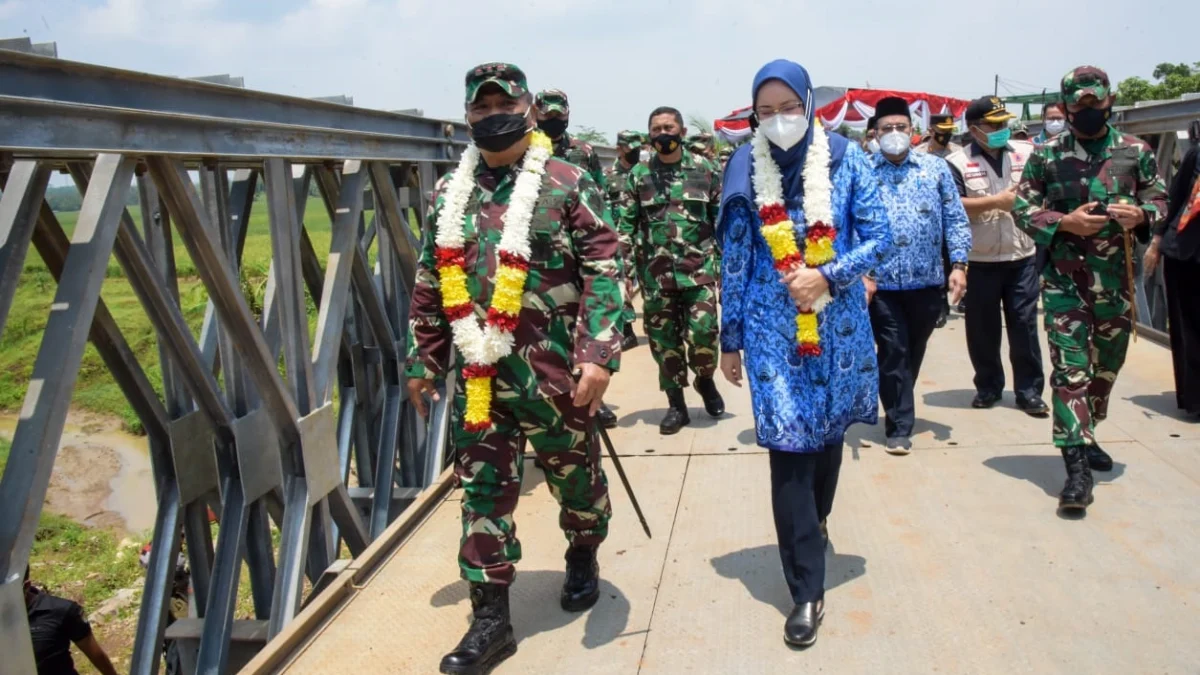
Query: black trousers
x: 802, y: 489
x: 1015, y: 285
x: 902, y: 322
x: 1182, y: 279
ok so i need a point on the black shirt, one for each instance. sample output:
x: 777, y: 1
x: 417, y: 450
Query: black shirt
x: 54, y: 623
x: 1185, y: 245
x: 974, y: 150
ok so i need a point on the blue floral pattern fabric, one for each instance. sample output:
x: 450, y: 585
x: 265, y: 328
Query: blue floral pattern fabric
x: 924, y: 210
x: 803, y: 403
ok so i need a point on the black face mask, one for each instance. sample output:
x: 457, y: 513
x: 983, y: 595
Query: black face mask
x: 665, y: 144
x: 1089, y: 121
x: 942, y: 139
x: 497, y: 133
x: 633, y: 156
x: 553, y: 126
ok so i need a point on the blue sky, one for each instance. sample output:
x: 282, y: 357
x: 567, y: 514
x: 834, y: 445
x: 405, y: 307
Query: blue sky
x: 617, y: 59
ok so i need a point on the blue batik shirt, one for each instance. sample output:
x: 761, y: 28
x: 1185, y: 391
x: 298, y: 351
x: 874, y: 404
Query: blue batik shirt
x: 925, y: 212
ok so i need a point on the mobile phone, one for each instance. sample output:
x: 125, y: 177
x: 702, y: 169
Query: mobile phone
x: 1098, y: 210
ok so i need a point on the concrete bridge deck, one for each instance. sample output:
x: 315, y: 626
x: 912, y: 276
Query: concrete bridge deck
x: 950, y: 560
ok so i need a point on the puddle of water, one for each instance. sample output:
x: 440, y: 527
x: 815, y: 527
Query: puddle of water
x: 131, y: 487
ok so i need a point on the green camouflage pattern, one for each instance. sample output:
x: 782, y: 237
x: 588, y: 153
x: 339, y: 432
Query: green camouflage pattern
x: 505, y: 75
x: 1087, y: 320
x: 583, y: 155
x: 1063, y: 175
x: 1084, y: 81
x: 632, y: 140
x: 571, y: 309
x: 615, y: 178
x: 702, y: 144
x: 552, y: 101
x: 669, y: 212
x: 489, y: 467
x: 678, y: 318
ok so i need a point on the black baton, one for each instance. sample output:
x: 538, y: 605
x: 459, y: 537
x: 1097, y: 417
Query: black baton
x: 599, y: 430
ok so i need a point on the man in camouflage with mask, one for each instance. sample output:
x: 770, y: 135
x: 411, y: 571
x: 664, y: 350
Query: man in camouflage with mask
x: 553, y: 114
x: 1080, y: 196
x: 629, y: 148
x: 669, y: 207
x: 567, y: 324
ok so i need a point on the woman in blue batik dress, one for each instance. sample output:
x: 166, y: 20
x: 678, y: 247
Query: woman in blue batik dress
x: 803, y: 403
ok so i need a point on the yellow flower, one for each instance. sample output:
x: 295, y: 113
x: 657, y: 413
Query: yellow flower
x: 479, y: 400
x: 819, y: 252
x: 510, y: 286
x: 806, y: 328
x: 781, y: 238
x: 541, y: 140
x: 454, y: 286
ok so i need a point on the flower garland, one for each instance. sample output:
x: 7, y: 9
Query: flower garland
x: 780, y: 232
x: 483, y: 346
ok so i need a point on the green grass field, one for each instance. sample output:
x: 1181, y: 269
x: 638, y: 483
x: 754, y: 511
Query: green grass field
x: 95, y: 389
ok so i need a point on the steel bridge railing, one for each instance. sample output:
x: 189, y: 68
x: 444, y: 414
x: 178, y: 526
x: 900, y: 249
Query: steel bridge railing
x: 263, y: 445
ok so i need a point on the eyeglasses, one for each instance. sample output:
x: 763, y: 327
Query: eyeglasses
x: 789, y: 108
x: 888, y: 128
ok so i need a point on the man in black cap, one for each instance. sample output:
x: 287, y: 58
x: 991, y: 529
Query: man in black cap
x: 941, y: 130
x: 1003, y: 266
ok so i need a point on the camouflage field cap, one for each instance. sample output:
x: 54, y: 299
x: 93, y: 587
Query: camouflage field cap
x: 700, y: 141
x: 631, y: 139
x: 1083, y: 81
x: 552, y: 101
x: 508, y: 77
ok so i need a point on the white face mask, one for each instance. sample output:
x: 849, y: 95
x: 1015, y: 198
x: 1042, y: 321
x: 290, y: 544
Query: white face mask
x: 873, y: 145
x: 785, y: 130
x: 894, y: 143
x: 1055, y: 127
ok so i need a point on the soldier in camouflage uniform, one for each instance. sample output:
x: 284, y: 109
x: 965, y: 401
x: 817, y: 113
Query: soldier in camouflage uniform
x: 571, y: 311
x: 1080, y: 195
x: 553, y: 113
x: 669, y: 208
x: 702, y: 144
x: 629, y: 148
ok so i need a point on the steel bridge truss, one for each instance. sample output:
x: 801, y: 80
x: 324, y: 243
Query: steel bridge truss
x: 248, y: 424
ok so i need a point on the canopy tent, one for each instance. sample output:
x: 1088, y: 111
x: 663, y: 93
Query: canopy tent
x: 851, y: 107
x: 858, y: 105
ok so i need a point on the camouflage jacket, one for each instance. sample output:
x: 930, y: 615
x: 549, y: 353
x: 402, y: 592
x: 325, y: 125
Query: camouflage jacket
x: 582, y: 155
x: 669, y: 211
x: 1062, y: 175
x: 616, y: 175
x: 573, y: 299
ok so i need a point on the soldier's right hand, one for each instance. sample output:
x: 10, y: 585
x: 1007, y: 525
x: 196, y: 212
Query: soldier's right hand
x: 1081, y: 222
x: 418, y: 388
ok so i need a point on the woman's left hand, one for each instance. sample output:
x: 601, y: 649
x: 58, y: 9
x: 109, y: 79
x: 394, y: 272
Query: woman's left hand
x: 805, y: 285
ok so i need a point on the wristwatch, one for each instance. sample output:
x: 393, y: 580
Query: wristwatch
x: 959, y: 266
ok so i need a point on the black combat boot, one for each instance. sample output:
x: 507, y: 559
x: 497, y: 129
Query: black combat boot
x: 677, y: 413
x: 1097, y: 458
x: 1077, y: 492
x: 581, y: 588
x: 606, y: 417
x: 631, y: 339
x: 714, y: 405
x: 800, y: 629
x: 489, y: 640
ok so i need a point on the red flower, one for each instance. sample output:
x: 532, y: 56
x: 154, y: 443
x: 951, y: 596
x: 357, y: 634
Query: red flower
x: 772, y: 214
x: 819, y: 230
x: 477, y: 427
x: 473, y: 370
x: 514, y: 260
x: 458, y: 312
x: 786, y: 264
x: 806, y: 349
x: 502, y: 320
x: 450, y: 256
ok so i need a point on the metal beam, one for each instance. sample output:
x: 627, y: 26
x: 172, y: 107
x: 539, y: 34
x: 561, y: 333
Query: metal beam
x: 35, y: 128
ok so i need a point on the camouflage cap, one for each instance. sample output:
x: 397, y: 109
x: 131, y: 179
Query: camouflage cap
x: 1085, y: 81
x: 631, y: 139
x: 551, y: 101
x: 508, y: 77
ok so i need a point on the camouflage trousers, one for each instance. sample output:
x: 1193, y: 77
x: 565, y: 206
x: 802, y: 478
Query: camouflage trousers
x: 686, y: 315
x: 489, y: 467
x: 1087, y: 325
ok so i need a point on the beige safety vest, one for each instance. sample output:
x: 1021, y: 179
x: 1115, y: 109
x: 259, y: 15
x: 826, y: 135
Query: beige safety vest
x: 994, y: 235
